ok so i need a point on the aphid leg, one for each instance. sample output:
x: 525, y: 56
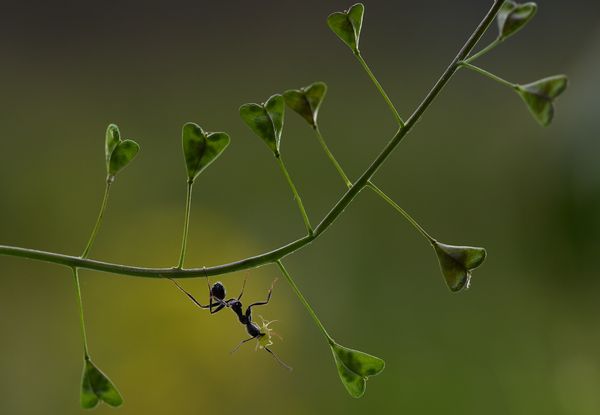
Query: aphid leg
x: 278, y: 359
x: 240, y: 344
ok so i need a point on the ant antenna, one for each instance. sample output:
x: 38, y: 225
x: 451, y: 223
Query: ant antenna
x: 243, y: 287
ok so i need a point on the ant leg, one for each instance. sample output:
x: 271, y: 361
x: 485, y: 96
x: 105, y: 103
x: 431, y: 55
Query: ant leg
x: 191, y: 297
x: 210, y: 306
x: 262, y: 302
x: 240, y: 344
x: 242, y: 293
x: 210, y: 296
x: 278, y: 359
x: 221, y: 305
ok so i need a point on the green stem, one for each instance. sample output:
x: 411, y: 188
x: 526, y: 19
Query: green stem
x: 485, y: 50
x: 331, y: 157
x: 90, y: 242
x: 296, y: 194
x: 81, y: 318
x: 409, y: 218
x: 387, y: 99
x: 281, y: 252
x: 86, y: 252
x: 186, y: 223
x: 488, y: 74
x: 373, y: 187
x: 304, y: 301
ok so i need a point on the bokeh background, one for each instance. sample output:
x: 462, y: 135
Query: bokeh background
x: 525, y: 339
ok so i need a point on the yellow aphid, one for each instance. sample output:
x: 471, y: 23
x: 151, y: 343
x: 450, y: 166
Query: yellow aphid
x: 266, y: 339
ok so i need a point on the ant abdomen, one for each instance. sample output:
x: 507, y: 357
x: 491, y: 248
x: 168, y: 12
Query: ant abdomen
x: 218, y: 291
x: 253, y: 329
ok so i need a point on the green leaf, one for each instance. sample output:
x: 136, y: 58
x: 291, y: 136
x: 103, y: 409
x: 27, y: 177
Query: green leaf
x: 347, y: 25
x: 118, y: 152
x: 266, y: 120
x: 457, y: 262
x: 355, y: 367
x: 201, y: 148
x: 540, y: 95
x: 307, y: 101
x: 96, y: 386
x: 123, y: 153
x: 513, y: 17
x: 113, y: 137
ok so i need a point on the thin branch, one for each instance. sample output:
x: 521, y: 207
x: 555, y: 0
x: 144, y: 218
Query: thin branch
x: 90, y: 242
x: 488, y: 74
x: 297, y: 197
x: 86, y: 352
x: 385, y: 96
x: 305, y: 302
x: 186, y: 223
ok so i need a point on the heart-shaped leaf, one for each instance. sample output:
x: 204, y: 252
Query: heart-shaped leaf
x: 347, y: 25
x: 266, y: 120
x: 540, y: 95
x: 355, y: 367
x: 457, y: 262
x: 96, y: 386
x: 201, y: 148
x: 513, y: 17
x: 307, y: 101
x: 123, y: 153
x: 118, y: 152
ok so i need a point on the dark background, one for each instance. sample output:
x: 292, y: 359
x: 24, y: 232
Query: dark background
x: 477, y: 170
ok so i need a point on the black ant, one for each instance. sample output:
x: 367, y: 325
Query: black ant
x: 263, y: 334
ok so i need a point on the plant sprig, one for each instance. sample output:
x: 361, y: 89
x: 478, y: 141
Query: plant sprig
x: 266, y: 120
x: 95, y: 385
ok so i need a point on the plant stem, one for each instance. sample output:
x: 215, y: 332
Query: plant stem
x: 186, y: 223
x: 81, y: 318
x: 304, y: 301
x: 409, y: 218
x: 86, y: 252
x: 281, y: 252
x: 484, y: 51
x: 332, y: 157
x: 389, y: 102
x: 90, y: 242
x: 373, y: 187
x: 488, y: 74
x: 296, y: 194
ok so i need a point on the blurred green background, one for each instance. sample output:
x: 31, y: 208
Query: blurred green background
x: 478, y: 170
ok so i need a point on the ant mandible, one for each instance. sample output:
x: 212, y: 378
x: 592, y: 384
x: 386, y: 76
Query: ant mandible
x: 262, y: 333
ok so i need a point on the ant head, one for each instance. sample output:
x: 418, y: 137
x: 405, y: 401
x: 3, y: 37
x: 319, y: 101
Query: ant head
x: 235, y: 305
x: 218, y: 291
